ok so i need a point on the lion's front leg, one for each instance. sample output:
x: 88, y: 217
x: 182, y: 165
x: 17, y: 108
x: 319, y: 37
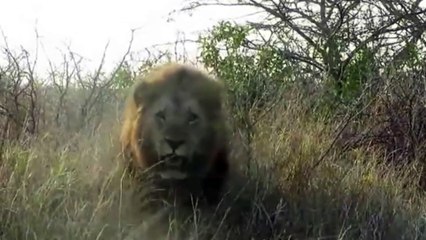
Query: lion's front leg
x: 216, y: 178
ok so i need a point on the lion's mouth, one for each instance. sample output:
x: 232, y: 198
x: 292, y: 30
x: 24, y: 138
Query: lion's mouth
x: 173, y: 175
x: 173, y: 160
x: 173, y: 165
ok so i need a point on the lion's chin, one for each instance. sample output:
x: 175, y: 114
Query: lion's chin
x: 173, y: 175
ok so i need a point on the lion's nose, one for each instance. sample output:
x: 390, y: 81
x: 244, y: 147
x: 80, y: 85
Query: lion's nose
x: 174, y: 144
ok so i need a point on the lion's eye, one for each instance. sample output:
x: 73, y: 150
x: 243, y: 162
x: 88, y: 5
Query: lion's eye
x: 160, y: 115
x: 193, y: 118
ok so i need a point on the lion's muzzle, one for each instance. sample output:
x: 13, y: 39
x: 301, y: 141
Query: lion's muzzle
x: 174, y: 152
x: 173, y: 167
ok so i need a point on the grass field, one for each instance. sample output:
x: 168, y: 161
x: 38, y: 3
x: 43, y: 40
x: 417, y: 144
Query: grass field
x: 70, y: 186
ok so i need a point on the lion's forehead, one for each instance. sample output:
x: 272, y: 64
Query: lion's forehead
x: 178, y: 103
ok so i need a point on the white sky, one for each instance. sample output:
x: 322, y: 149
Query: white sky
x: 87, y: 26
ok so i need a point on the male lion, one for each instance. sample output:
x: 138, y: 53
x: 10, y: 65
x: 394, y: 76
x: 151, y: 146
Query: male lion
x: 174, y: 125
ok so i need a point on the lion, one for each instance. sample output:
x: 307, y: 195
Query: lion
x: 174, y: 126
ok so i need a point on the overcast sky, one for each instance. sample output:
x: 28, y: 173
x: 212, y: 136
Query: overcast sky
x: 87, y: 26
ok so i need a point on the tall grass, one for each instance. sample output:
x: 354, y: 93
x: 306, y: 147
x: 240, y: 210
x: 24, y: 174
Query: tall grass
x: 71, y: 186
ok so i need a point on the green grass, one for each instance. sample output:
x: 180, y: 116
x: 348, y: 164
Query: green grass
x: 70, y: 186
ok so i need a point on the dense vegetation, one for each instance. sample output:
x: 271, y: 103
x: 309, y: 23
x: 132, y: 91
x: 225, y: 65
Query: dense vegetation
x: 326, y: 103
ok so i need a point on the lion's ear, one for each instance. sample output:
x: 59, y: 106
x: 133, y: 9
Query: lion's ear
x: 140, y: 93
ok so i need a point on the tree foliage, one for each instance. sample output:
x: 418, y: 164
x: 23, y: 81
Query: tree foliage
x: 253, y: 78
x: 329, y: 39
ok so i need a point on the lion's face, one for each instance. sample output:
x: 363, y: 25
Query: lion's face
x: 174, y: 126
x: 178, y: 130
